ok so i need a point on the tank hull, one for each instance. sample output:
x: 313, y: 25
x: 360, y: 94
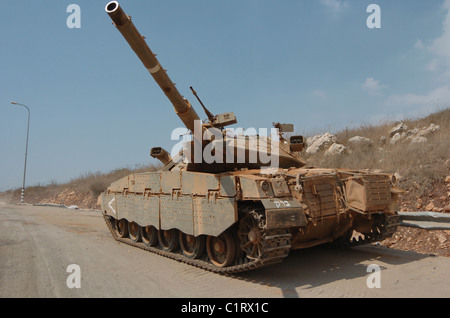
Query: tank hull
x: 259, y: 217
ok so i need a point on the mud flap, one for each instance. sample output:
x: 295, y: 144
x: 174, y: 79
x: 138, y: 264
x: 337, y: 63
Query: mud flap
x: 283, y: 213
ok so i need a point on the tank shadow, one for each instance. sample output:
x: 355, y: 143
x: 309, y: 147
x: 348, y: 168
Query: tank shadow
x: 313, y: 267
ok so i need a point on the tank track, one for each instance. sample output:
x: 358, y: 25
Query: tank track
x: 383, y: 230
x: 276, y: 246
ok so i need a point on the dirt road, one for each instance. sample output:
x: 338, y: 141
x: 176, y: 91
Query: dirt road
x: 38, y: 245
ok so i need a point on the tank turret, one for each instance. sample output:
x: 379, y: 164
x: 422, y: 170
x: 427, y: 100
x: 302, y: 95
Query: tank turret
x: 246, y: 152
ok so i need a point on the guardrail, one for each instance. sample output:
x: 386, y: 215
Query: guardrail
x: 425, y: 220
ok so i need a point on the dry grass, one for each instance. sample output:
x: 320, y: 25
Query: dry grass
x: 82, y: 191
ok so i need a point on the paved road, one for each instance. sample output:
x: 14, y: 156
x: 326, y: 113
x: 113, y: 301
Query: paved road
x: 38, y: 245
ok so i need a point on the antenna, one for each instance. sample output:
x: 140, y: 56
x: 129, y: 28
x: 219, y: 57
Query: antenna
x: 207, y: 112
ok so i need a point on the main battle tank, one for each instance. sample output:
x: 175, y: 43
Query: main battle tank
x: 231, y: 202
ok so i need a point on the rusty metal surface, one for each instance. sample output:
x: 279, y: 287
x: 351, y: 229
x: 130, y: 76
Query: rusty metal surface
x: 283, y: 213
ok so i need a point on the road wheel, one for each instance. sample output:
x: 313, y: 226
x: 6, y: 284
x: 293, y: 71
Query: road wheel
x: 168, y: 239
x: 122, y: 228
x: 250, y: 236
x: 221, y: 249
x: 134, y: 231
x: 150, y: 235
x: 191, y: 246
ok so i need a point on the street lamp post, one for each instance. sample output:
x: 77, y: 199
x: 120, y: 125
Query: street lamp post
x: 26, y: 150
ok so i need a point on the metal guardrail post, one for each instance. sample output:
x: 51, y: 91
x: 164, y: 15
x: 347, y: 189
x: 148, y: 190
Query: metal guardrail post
x: 425, y: 220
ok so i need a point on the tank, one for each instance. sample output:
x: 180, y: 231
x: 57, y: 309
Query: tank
x: 229, y: 202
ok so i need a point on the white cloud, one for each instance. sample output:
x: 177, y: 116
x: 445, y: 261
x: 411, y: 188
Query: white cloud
x: 336, y: 6
x: 372, y: 86
x: 440, y: 47
x: 437, y: 97
x: 419, y: 44
x: 320, y: 94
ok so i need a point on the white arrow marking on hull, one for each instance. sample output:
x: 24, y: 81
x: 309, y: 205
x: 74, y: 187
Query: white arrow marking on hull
x: 110, y: 206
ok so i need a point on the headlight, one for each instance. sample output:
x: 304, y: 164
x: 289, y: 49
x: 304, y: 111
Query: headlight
x: 393, y: 179
x: 264, y: 185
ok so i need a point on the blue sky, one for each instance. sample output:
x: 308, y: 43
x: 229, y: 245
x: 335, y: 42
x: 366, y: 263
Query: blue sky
x: 315, y: 64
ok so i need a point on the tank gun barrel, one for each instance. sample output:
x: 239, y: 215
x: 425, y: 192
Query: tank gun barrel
x: 136, y: 41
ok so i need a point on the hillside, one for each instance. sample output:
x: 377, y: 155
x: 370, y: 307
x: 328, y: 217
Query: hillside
x: 416, y: 151
x: 82, y: 191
